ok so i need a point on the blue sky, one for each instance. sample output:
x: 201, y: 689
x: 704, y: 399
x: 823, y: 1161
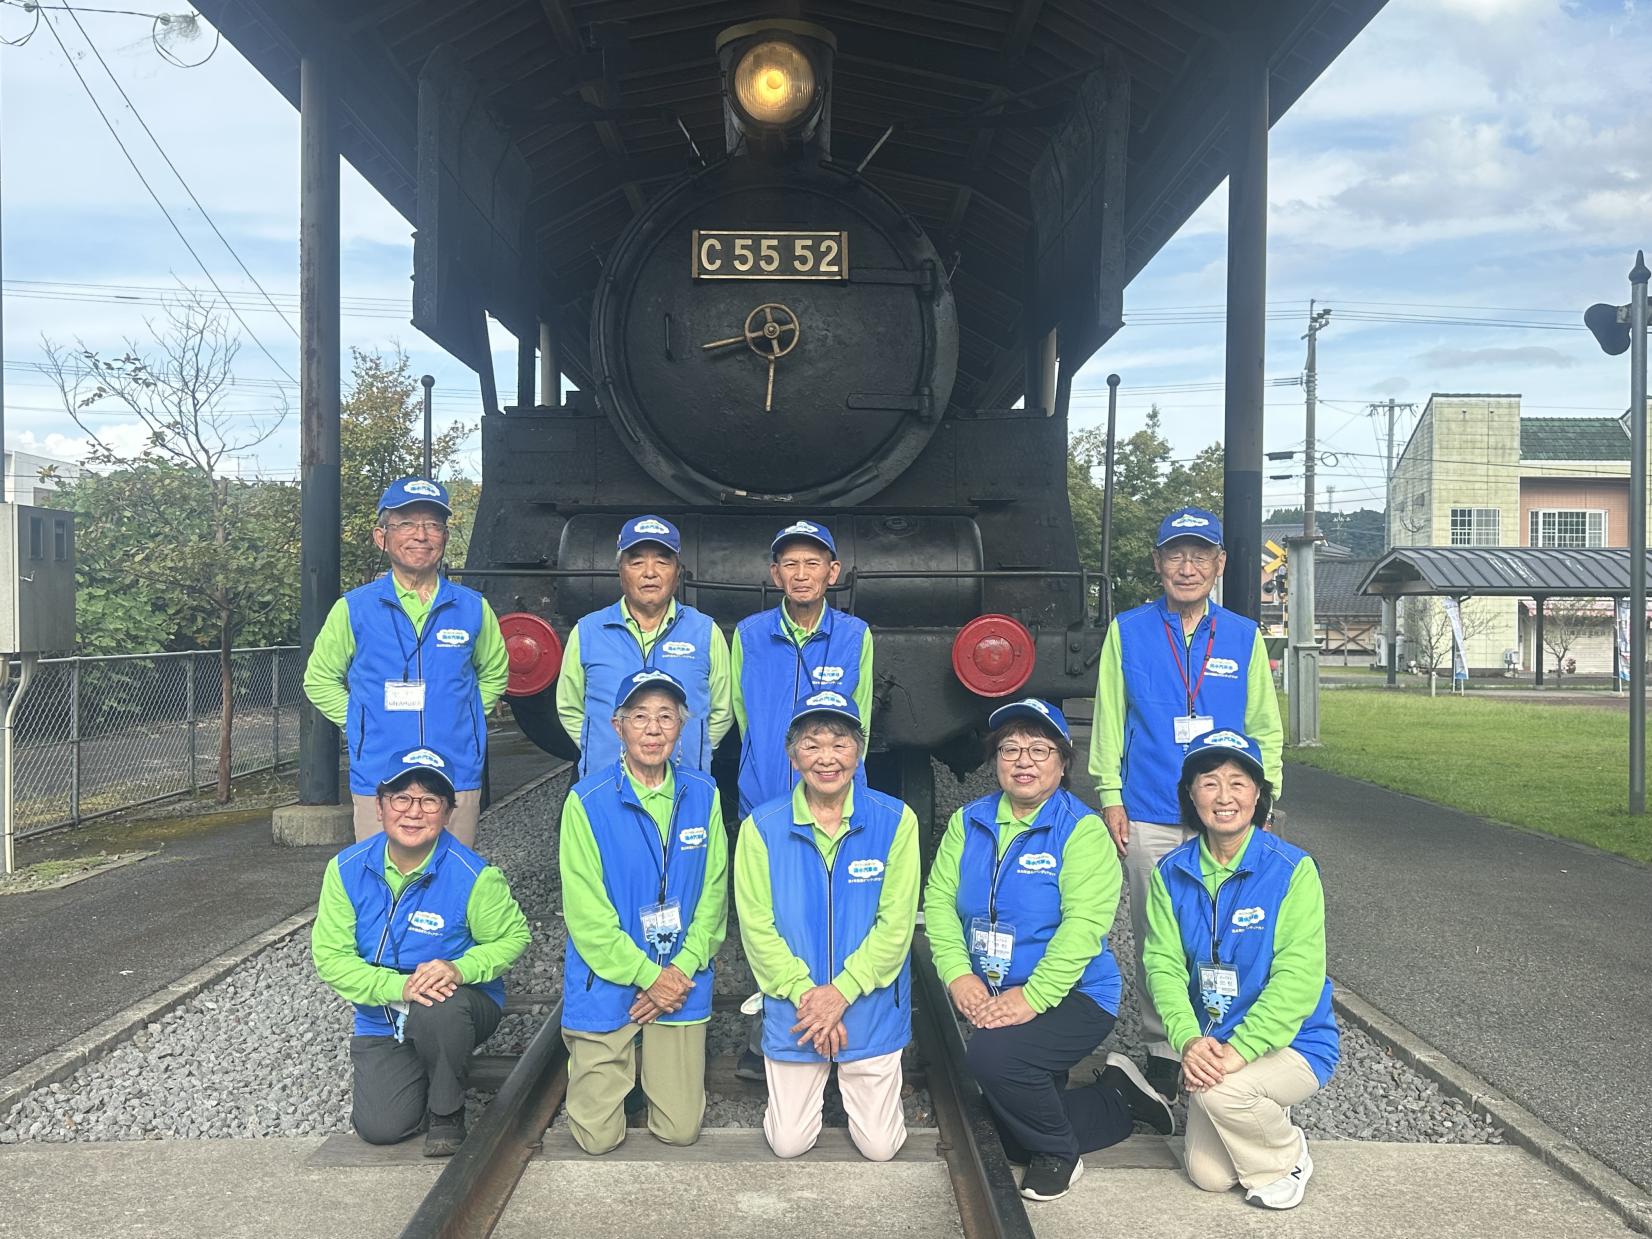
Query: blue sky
x: 1464, y: 159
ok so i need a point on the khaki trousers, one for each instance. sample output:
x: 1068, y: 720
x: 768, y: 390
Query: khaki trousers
x: 602, y: 1067
x: 462, y: 825
x: 1238, y: 1132
x: 871, y: 1090
x: 1149, y: 843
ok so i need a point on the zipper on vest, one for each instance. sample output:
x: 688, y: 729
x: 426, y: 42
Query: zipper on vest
x: 384, y: 934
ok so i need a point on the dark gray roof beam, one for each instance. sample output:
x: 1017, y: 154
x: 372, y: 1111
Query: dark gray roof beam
x: 566, y: 36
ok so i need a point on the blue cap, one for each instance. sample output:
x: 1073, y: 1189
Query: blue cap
x: 828, y: 701
x: 803, y: 529
x: 640, y: 529
x: 1190, y: 523
x: 424, y: 762
x: 404, y: 491
x: 1229, y: 743
x: 649, y: 677
x: 1030, y: 707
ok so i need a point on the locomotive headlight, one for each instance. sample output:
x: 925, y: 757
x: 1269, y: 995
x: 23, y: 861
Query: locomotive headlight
x: 774, y: 83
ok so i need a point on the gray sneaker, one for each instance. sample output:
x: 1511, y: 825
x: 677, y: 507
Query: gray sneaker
x: 1286, y: 1192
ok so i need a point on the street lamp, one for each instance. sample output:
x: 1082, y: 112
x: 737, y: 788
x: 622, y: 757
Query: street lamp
x: 1617, y: 328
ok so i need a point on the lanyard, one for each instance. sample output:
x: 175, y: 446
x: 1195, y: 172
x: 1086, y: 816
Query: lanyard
x: 1193, y: 687
x: 418, y: 643
x: 651, y: 828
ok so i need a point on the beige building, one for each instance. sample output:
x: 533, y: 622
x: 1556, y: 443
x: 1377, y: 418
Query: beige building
x: 1475, y: 472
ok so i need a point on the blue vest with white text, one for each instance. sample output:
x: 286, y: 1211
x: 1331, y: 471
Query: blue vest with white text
x: 824, y: 914
x: 1155, y: 659
x: 1023, y: 888
x: 443, y: 656
x: 640, y: 870
x: 428, y: 920
x: 609, y: 651
x: 775, y: 674
x: 1245, y: 913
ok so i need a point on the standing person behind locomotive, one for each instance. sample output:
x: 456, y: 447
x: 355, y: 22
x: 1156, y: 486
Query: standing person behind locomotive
x: 826, y: 882
x: 647, y: 626
x: 1171, y: 671
x: 411, y: 660
x: 644, y: 866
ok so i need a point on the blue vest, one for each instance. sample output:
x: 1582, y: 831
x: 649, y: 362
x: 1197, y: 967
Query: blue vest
x: 1245, y: 912
x: 825, y: 914
x: 775, y: 674
x: 1155, y: 659
x: 426, y: 921
x: 609, y: 651
x: 1023, y: 887
x: 443, y: 657
x: 639, y: 870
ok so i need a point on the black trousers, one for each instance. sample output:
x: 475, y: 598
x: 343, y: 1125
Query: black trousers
x: 1023, y: 1072
x: 395, y: 1082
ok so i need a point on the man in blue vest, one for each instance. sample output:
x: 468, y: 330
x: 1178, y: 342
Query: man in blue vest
x: 647, y: 627
x: 415, y: 929
x: 1171, y: 671
x: 411, y: 660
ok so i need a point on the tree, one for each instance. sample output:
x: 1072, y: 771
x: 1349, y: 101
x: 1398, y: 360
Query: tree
x: 169, y: 515
x: 1565, y: 621
x: 1428, y: 632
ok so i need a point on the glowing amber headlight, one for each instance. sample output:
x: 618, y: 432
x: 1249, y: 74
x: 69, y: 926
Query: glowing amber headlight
x: 774, y: 83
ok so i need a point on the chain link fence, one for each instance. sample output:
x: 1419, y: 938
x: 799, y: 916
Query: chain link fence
x: 97, y: 735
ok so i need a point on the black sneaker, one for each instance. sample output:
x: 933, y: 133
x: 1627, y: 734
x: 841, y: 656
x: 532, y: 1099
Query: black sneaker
x: 1146, y: 1104
x: 444, y: 1134
x: 750, y: 1067
x: 1164, y: 1077
x: 1049, y: 1176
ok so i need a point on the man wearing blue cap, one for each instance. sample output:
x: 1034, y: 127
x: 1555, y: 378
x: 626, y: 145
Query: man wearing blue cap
x: 650, y: 628
x: 1171, y: 671
x: 411, y: 660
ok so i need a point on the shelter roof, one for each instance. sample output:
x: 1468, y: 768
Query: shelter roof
x: 1573, y: 438
x: 1501, y: 571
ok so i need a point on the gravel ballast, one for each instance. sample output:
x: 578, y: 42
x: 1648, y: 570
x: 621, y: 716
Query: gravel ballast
x: 265, y: 1051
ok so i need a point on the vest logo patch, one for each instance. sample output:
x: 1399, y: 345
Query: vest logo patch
x: 692, y: 837
x: 1036, y: 862
x: 677, y: 649
x: 422, y: 922
x: 828, y: 675
x: 1225, y: 667
x: 421, y: 487
x: 1248, y: 918
x: 452, y: 637
x: 865, y: 870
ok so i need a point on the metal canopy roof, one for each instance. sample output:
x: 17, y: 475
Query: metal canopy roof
x: 600, y: 128
x: 1501, y: 571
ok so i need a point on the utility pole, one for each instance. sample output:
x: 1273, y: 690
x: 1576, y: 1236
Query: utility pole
x: 1390, y: 605
x: 1303, y: 639
x: 1310, y: 384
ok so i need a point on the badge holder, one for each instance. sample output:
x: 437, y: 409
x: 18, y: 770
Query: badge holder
x: 404, y: 695
x: 1189, y: 727
x: 992, y: 944
x: 661, y: 925
x: 1218, y: 987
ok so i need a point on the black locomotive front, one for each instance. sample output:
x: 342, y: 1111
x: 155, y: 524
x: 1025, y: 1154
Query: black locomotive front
x: 773, y: 337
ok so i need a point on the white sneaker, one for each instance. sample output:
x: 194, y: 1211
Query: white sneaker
x: 1286, y: 1192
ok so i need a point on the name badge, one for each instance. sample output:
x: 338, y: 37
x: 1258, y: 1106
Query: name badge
x: 992, y: 943
x: 662, y: 923
x: 404, y: 694
x: 1189, y: 727
x: 1218, y: 987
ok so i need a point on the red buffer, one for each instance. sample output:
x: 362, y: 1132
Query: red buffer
x: 993, y: 655
x: 535, y: 653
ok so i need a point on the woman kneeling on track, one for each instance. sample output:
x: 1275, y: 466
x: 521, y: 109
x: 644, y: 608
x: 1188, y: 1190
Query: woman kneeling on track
x: 826, y: 883
x: 1236, y: 929
x: 1021, y: 895
x: 644, y: 862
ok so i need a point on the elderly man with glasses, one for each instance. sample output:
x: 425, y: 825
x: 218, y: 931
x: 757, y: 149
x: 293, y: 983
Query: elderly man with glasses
x: 411, y: 660
x: 1172, y: 670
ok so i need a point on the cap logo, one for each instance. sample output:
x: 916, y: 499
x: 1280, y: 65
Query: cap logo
x: 1227, y: 740
x: 424, y: 757
x: 650, y: 677
x: 801, y: 527
x: 1188, y: 521
x: 421, y: 487
x: 651, y: 526
x: 1036, y: 704
x: 828, y: 698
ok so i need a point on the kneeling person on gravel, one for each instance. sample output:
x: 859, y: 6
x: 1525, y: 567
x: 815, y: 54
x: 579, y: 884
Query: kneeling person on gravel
x: 416, y: 929
x: 828, y: 874
x: 644, y: 864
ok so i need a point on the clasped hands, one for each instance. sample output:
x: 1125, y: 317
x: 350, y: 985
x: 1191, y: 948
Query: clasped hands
x: 668, y: 993
x: 1206, y: 1062
x: 431, y: 982
x: 820, y: 1020
x: 984, y: 1009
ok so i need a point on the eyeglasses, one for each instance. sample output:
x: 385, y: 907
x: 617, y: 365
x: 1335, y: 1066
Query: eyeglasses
x: 424, y: 526
x: 1039, y: 753
x: 1199, y: 559
x: 665, y: 720
x: 838, y: 748
x: 403, y: 802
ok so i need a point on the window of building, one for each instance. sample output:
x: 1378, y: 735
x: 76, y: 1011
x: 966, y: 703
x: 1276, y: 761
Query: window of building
x: 60, y: 539
x: 37, y: 537
x: 1476, y: 527
x: 1568, y: 527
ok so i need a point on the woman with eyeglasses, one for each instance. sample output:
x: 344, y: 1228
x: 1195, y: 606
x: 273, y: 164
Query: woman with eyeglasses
x: 1020, y: 898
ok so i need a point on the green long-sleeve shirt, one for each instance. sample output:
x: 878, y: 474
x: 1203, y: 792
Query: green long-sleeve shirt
x: 1296, y: 976
x: 492, y: 915
x: 593, y: 921
x: 325, y: 682
x: 863, y: 683
x: 877, y: 961
x: 1107, y: 728
x: 1088, y: 883
x: 570, y: 682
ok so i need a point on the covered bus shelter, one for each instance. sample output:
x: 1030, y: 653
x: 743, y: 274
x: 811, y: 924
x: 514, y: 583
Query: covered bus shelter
x: 1538, y: 573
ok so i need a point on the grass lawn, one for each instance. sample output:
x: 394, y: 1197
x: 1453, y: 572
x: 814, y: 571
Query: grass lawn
x: 1560, y: 769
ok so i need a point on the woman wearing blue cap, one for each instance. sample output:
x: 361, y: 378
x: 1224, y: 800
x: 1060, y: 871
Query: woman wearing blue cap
x: 1235, y: 960
x: 1021, y: 896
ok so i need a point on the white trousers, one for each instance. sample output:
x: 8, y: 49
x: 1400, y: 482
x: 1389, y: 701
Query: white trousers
x: 871, y: 1090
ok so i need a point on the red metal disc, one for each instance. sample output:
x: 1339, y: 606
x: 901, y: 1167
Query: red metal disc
x: 993, y: 655
x: 535, y: 653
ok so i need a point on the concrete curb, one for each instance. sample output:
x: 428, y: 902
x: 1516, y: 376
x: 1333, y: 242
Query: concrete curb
x: 1521, y: 1126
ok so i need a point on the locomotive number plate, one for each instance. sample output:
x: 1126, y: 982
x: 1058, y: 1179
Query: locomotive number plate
x: 755, y: 254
